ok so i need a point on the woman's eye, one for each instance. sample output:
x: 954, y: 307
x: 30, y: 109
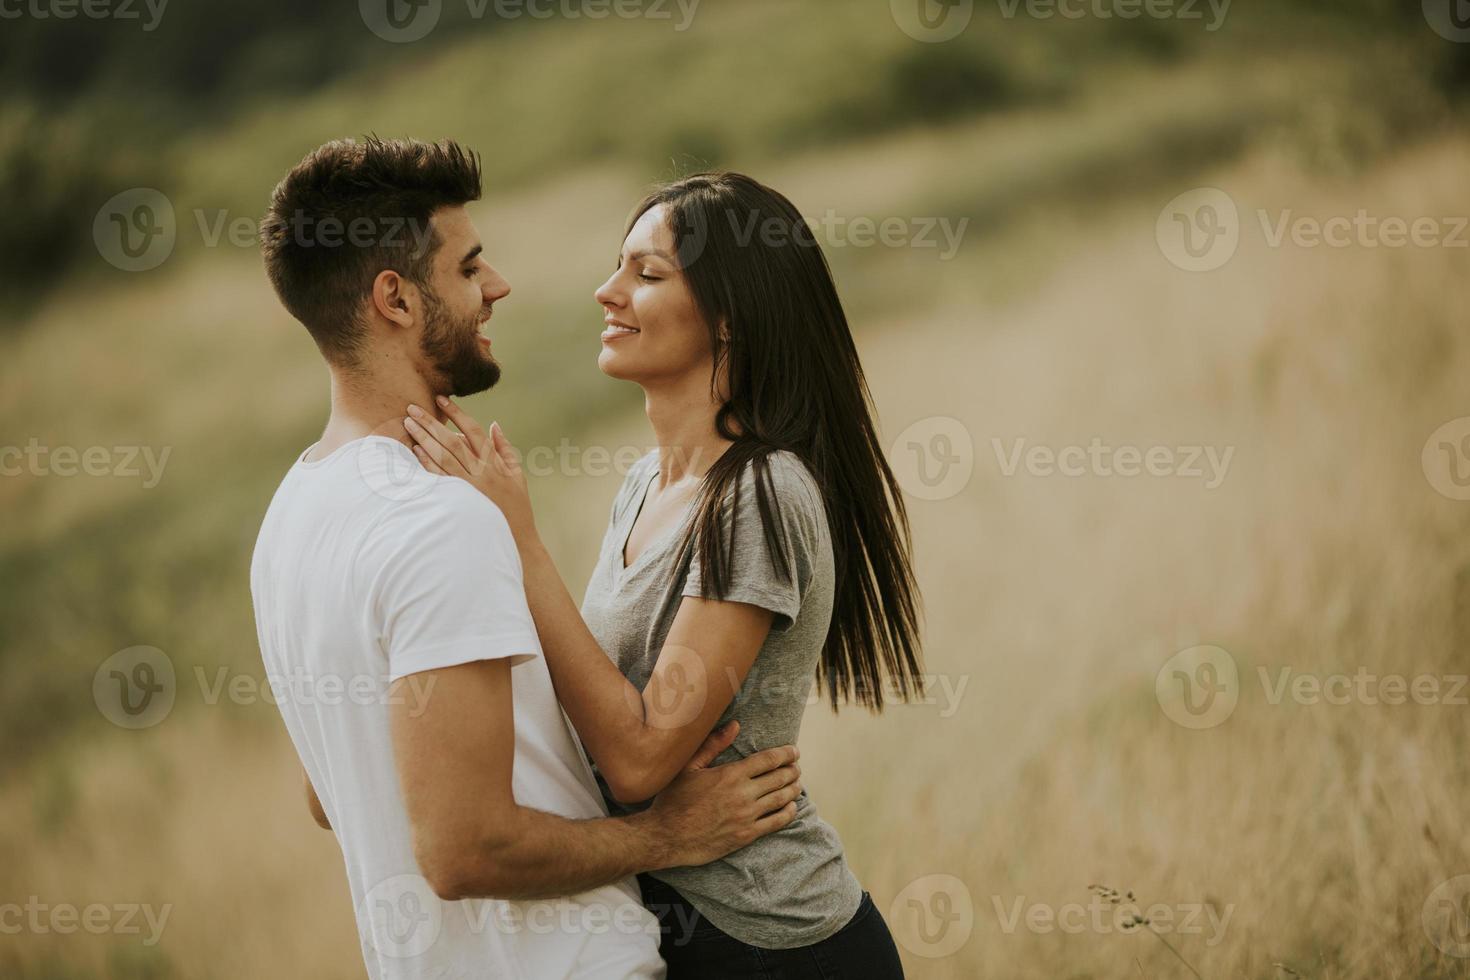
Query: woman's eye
x: 647, y: 278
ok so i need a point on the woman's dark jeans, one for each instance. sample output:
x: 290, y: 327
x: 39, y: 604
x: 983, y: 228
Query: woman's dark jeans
x: 696, y: 950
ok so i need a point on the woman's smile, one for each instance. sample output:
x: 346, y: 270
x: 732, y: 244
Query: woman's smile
x: 614, y: 330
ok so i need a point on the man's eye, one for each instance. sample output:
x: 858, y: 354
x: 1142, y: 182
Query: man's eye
x: 471, y: 272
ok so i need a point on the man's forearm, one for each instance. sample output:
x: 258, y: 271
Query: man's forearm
x: 543, y: 855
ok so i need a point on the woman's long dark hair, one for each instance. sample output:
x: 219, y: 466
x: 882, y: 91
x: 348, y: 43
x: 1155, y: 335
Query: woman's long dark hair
x: 763, y: 286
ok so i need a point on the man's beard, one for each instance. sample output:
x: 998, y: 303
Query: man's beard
x: 452, y: 347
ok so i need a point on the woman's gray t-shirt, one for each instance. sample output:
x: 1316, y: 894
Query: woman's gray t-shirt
x: 793, y: 887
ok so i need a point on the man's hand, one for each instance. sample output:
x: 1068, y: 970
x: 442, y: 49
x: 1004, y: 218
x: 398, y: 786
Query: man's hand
x: 706, y: 813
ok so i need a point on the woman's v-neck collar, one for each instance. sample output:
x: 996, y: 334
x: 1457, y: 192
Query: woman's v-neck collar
x: 624, y: 568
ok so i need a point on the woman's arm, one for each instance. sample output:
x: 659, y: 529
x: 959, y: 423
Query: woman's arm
x: 640, y: 741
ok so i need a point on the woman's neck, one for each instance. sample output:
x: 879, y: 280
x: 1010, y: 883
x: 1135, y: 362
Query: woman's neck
x: 683, y: 420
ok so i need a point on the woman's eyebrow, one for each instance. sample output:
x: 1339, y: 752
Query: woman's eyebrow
x: 650, y: 251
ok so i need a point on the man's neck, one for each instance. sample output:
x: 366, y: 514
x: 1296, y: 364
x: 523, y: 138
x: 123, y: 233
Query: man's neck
x: 363, y: 405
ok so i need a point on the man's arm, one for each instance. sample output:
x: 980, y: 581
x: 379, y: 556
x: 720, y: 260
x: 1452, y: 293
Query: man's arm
x: 454, y: 754
x: 314, y: 803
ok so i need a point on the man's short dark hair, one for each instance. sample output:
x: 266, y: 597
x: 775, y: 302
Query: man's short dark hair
x: 348, y: 211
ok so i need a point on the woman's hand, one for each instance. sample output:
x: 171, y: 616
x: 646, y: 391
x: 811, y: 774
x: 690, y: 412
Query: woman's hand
x: 487, y: 461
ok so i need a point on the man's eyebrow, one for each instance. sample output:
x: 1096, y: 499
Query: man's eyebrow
x: 471, y: 254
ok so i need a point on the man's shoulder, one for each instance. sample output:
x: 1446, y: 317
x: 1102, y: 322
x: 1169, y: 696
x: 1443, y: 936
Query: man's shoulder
x: 446, y: 502
x: 449, y: 517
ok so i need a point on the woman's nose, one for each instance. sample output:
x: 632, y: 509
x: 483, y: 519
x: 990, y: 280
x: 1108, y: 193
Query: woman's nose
x: 607, y: 294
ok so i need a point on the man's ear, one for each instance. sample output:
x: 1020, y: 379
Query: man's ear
x: 393, y: 297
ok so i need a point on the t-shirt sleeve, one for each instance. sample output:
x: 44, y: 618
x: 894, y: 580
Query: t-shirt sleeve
x: 801, y: 530
x: 446, y: 585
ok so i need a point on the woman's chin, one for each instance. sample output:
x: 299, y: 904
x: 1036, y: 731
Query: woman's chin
x: 610, y: 364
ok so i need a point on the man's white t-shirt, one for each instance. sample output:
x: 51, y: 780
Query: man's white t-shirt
x: 369, y: 569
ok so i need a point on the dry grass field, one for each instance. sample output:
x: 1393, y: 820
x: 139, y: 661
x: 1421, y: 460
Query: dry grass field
x: 1299, y: 834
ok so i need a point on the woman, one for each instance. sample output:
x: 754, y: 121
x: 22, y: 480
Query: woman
x: 763, y: 545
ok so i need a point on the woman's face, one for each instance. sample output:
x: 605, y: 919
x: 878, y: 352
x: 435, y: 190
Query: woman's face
x: 652, y: 330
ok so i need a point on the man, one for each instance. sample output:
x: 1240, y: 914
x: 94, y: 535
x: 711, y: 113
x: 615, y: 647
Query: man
x: 391, y: 601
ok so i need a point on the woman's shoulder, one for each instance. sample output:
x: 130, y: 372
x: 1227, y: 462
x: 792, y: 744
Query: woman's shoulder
x: 634, y: 480
x: 791, y: 477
